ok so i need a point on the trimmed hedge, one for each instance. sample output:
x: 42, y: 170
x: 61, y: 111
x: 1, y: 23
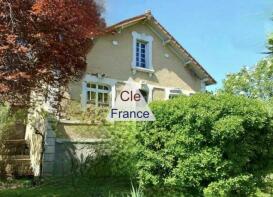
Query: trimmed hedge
x: 206, y: 145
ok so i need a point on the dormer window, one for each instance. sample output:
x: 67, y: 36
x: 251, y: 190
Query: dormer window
x: 141, y: 54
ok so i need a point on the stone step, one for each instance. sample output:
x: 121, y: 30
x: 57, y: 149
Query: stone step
x: 16, y: 141
x: 18, y: 165
x: 16, y: 147
x: 15, y: 157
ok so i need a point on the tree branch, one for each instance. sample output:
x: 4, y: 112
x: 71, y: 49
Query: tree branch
x: 11, y: 17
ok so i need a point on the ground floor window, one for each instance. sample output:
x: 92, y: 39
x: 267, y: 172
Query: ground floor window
x: 174, y: 93
x: 171, y: 96
x: 98, y: 94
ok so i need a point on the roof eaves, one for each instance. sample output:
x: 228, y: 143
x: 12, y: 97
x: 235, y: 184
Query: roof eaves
x: 178, y: 45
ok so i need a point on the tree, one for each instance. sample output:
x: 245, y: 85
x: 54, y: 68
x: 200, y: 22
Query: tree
x: 256, y: 82
x: 270, y: 44
x: 43, y: 44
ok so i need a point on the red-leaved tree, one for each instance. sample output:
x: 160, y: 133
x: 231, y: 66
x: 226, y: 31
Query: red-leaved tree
x: 43, y: 43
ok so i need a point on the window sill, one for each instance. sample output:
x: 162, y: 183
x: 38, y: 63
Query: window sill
x: 147, y: 70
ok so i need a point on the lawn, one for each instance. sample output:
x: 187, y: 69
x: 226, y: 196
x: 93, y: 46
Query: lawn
x: 66, y: 188
x: 97, y: 188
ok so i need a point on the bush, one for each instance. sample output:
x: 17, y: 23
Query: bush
x: 239, y: 186
x: 12, y: 125
x: 123, y: 149
x: 206, y: 144
x: 115, y: 158
x: 6, y: 120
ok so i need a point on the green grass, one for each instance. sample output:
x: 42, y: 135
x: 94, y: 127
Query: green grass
x: 65, y: 188
x: 103, y: 187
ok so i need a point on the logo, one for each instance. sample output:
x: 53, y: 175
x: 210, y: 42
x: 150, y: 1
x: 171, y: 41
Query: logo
x: 130, y: 105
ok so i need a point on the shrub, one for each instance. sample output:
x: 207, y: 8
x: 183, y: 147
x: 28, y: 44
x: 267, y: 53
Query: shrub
x: 115, y: 158
x: 12, y: 125
x: 11, y: 121
x: 5, y: 119
x: 124, y: 149
x: 241, y: 185
x: 72, y: 110
x: 206, y: 143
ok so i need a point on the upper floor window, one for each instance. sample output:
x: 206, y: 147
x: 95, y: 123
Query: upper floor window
x: 141, y: 54
x: 98, y: 94
x: 142, y: 51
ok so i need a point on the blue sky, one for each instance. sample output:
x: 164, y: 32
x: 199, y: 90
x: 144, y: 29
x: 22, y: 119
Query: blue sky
x: 223, y: 35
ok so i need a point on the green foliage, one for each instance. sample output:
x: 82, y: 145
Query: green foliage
x: 206, y: 143
x: 12, y: 122
x: 94, y: 115
x: 61, y: 187
x: 9, y: 118
x: 270, y: 44
x: 123, y: 149
x: 82, y: 131
x: 5, y: 119
x: 135, y: 192
x: 270, y: 106
x: 115, y: 157
x: 267, y: 189
x: 241, y: 185
x: 5, y: 123
x: 255, y: 83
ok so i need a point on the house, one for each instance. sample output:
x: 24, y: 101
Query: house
x: 142, y: 50
x: 138, y: 49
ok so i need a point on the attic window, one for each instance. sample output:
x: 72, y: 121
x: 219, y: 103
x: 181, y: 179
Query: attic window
x: 142, y: 51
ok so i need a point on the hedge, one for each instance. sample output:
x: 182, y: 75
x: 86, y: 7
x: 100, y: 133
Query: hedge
x: 212, y: 145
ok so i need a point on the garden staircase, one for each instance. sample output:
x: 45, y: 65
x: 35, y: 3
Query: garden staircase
x: 16, y: 158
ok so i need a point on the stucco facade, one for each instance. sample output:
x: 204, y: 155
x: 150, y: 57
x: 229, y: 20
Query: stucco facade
x: 110, y: 62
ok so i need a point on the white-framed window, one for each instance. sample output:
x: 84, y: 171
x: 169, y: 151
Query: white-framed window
x: 171, y: 96
x: 172, y: 93
x: 98, y: 94
x: 142, y: 51
x: 97, y: 90
x: 141, y: 54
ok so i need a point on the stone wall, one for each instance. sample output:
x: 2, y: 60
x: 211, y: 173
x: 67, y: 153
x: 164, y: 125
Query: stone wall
x: 49, y: 151
x: 69, y: 154
x: 53, y: 156
x: 35, y: 130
